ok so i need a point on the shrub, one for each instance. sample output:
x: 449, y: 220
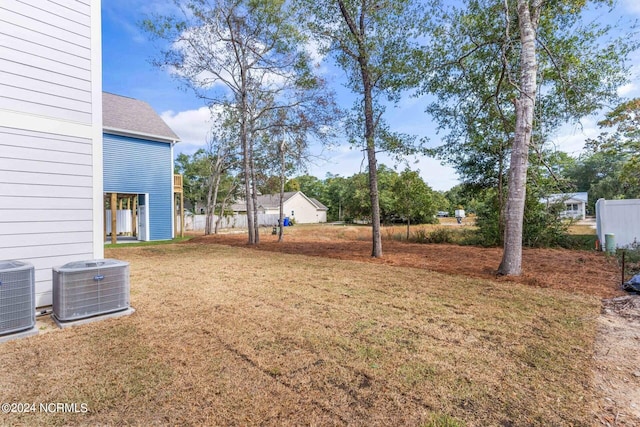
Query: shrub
x: 420, y: 236
x: 543, y: 226
x: 441, y: 235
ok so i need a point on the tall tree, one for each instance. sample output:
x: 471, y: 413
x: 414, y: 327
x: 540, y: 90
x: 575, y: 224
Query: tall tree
x: 312, y: 115
x: 372, y: 41
x: 240, y: 53
x: 334, y: 196
x: 222, y: 153
x: 530, y: 64
x: 623, y: 140
x: 599, y: 173
x: 413, y: 199
x: 195, y: 170
x: 309, y: 185
x: 528, y: 18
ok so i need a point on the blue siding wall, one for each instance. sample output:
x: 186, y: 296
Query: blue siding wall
x: 138, y: 166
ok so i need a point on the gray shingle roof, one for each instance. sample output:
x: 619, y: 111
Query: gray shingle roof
x: 318, y: 204
x: 562, y: 197
x: 132, y: 116
x: 272, y: 201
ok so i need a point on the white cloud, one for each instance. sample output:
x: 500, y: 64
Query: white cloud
x: 346, y: 162
x: 436, y: 175
x: 627, y: 89
x: 571, y: 139
x: 314, y: 49
x: 192, y: 126
x: 631, y: 6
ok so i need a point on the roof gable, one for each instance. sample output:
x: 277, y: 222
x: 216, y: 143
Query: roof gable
x: 272, y: 201
x: 319, y: 205
x: 131, y: 117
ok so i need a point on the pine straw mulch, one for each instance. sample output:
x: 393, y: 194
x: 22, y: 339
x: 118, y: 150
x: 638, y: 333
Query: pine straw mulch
x: 585, y: 272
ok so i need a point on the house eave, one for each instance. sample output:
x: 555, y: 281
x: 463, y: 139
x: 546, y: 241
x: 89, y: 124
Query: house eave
x: 140, y: 135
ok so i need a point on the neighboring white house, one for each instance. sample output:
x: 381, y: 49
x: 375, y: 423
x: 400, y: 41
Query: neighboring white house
x: 297, y: 206
x: 575, y: 204
x: 620, y: 218
x: 51, y: 202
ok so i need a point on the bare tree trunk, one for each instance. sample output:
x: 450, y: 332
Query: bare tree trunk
x: 511, y: 264
x: 376, y: 251
x: 254, y: 196
x: 209, y: 208
x: 408, y: 227
x: 234, y: 27
x: 247, y: 166
x: 216, y: 189
x: 282, y: 179
x: 224, y: 203
x: 501, y: 196
x: 358, y: 30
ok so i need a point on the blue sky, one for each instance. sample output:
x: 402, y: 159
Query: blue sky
x: 127, y: 71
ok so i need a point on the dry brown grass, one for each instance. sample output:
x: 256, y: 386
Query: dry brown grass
x: 581, y: 229
x: 232, y: 336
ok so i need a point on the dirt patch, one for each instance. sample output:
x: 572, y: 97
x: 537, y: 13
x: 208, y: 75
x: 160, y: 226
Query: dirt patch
x: 617, y: 359
x: 585, y: 272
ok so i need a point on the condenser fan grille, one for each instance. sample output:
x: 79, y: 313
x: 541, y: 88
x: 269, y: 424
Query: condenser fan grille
x: 17, y: 296
x: 90, y: 288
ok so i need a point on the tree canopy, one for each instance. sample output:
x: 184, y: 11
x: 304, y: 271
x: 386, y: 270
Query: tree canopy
x: 506, y: 74
x: 373, y: 42
x: 246, y: 56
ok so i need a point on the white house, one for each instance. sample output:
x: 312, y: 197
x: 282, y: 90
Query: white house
x: 575, y: 204
x: 297, y: 206
x: 51, y: 198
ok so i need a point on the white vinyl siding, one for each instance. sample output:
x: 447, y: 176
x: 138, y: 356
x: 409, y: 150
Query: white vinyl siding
x: 620, y: 218
x: 45, y: 65
x: 304, y: 211
x: 46, y: 198
x: 51, y: 201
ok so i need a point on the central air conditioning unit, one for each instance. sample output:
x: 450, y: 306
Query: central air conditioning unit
x: 90, y: 288
x: 17, y: 297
